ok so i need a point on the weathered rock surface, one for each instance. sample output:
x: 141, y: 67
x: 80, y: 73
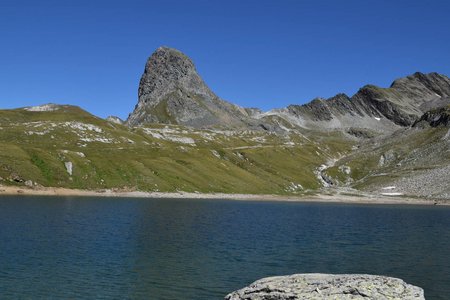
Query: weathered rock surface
x: 326, y: 286
x: 435, y: 117
x: 69, y: 167
x: 372, y: 107
x: 114, y: 119
x: 42, y: 108
x: 172, y: 92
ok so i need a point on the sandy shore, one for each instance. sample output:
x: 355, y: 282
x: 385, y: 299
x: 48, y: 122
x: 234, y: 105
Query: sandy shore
x: 326, y: 198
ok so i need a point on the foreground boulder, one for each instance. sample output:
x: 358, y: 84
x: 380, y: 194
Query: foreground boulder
x: 326, y: 286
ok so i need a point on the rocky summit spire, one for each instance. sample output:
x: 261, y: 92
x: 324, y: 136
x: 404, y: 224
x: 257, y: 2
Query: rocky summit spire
x: 172, y: 92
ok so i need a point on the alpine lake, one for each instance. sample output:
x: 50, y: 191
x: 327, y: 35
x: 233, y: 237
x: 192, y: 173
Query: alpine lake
x: 132, y: 248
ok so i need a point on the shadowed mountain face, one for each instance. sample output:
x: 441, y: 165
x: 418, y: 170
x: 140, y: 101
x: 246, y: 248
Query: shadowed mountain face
x: 439, y: 117
x: 379, y: 109
x: 172, y: 92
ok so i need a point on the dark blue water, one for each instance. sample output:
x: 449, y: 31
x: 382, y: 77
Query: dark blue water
x: 105, y: 248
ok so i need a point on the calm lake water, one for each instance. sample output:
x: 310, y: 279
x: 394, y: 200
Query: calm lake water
x: 111, y: 248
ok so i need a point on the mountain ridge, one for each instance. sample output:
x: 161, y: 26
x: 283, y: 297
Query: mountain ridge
x: 382, y: 141
x: 172, y: 92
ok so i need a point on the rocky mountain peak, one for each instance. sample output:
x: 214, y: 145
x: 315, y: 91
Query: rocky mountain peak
x: 432, y: 83
x: 166, y: 64
x: 399, y: 105
x: 171, y: 91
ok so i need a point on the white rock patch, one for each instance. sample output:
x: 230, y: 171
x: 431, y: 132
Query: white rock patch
x: 215, y: 153
x: 69, y: 167
x: 98, y: 139
x: 447, y: 136
x: 85, y: 131
x: 345, y: 169
x: 171, y: 135
x: 392, y: 194
x: 388, y: 187
x: 45, y: 107
x: 80, y: 154
x: 294, y: 187
x: 238, y: 154
x: 82, y: 126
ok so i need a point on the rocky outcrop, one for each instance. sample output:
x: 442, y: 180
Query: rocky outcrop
x: 172, y: 92
x: 43, y: 107
x: 114, y: 119
x: 326, y: 286
x: 69, y: 167
x: 435, y: 118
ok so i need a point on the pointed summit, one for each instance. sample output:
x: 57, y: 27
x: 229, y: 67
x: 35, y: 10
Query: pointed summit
x: 171, y: 91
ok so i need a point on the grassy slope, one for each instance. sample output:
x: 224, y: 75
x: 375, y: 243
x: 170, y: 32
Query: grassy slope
x: 35, y: 145
x: 406, y: 151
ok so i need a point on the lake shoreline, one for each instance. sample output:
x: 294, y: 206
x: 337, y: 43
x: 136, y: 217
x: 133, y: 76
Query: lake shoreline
x: 322, y: 198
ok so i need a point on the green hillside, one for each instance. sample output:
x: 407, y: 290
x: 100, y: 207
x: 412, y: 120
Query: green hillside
x: 36, y: 148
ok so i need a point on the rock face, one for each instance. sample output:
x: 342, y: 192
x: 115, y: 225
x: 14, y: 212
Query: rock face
x: 114, y: 119
x: 435, y: 118
x: 372, y: 107
x: 326, y: 286
x: 172, y: 92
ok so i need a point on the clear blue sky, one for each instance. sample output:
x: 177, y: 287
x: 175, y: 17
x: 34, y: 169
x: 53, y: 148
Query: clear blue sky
x: 263, y: 54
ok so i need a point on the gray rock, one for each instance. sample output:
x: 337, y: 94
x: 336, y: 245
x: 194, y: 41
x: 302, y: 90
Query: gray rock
x: 253, y: 111
x: 43, y: 108
x: 361, y: 133
x: 14, y: 177
x: 172, y: 92
x: 435, y: 118
x: 114, y: 119
x: 69, y: 167
x: 372, y: 107
x: 387, y: 158
x: 326, y: 286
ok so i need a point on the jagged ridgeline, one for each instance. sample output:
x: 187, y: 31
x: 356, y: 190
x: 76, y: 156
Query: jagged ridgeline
x: 183, y: 137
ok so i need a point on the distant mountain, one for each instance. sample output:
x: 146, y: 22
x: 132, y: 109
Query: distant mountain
x: 172, y: 92
x: 379, y: 109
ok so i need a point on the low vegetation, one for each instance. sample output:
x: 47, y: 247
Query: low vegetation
x: 36, y: 145
x: 67, y: 147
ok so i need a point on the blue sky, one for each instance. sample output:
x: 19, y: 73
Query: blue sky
x: 263, y: 54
